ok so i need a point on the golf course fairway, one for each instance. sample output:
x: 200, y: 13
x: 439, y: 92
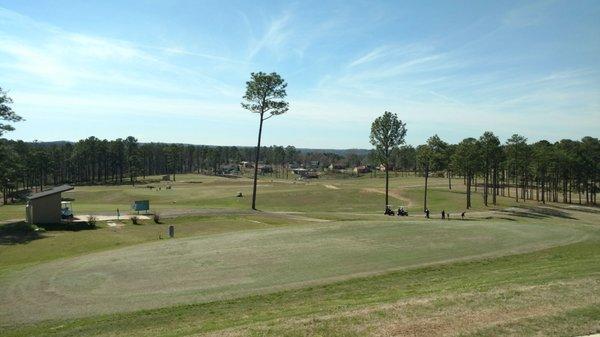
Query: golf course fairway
x: 234, y: 264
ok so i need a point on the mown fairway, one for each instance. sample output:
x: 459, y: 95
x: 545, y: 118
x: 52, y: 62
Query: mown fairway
x: 319, y: 259
x: 197, y: 194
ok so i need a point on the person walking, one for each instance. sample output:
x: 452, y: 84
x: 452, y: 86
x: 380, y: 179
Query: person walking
x: 443, y: 214
x: 427, y: 213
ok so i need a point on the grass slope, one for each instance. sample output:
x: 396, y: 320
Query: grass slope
x: 196, y: 269
x: 299, y: 267
x: 480, y: 298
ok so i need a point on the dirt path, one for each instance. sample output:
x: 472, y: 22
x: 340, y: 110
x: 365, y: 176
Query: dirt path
x: 407, y: 201
x: 84, y: 217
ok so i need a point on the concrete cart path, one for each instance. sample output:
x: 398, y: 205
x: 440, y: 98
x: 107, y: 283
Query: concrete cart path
x: 84, y: 217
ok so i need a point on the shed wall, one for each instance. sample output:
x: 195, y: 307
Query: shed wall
x: 45, y: 210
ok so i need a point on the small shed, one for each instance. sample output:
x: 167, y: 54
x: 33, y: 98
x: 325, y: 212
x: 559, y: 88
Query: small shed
x: 44, y: 207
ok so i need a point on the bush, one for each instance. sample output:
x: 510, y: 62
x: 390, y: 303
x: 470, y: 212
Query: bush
x: 134, y: 220
x: 156, y: 218
x: 91, y: 220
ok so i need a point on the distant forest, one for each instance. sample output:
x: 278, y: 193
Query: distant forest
x: 565, y: 171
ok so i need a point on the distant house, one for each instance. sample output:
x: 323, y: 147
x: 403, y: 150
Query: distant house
x: 246, y: 164
x: 361, y: 169
x: 336, y: 167
x: 314, y: 164
x: 45, y: 207
x: 293, y: 165
x: 265, y: 168
x: 229, y: 169
x: 306, y: 174
x: 381, y: 167
x: 299, y: 170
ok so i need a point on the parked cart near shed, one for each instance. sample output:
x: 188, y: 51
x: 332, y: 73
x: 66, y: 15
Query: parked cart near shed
x: 46, y: 207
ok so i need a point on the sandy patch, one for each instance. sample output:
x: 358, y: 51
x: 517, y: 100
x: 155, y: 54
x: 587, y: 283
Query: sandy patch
x: 84, y: 217
x: 392, y: 194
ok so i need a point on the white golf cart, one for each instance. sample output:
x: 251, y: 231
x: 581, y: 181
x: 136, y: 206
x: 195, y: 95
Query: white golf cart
x: 66, y: 210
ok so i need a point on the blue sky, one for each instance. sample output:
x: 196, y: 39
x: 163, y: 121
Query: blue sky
x: 174, y: 71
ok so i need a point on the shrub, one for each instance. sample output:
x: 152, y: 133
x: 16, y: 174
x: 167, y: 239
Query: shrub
x: 134, y: 220
x: 91, y: 220
x: 156, y: 218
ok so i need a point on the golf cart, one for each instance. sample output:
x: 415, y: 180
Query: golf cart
x: 66, y: 210
x: 388, y: 210
x: 402, y: 211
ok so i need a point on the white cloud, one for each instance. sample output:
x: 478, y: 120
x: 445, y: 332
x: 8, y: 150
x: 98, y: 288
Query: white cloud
x: 101, y: 48
x: 123, y: 105
x: 530, y: 14
x: 36, y: 62
x: 274, y: 37
x: 370, y: 56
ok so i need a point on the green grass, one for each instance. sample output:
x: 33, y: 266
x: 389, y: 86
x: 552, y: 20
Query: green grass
x: 193, y: 192
x: 343, y: 306
x: 316, y: 261
x: 245, y: 262
x: 61, y: 244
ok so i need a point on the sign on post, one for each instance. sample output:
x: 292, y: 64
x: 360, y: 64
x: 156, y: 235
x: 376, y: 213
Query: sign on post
x: 141, y: 205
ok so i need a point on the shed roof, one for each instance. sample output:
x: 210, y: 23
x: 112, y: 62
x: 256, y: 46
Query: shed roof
x: 54, y: 190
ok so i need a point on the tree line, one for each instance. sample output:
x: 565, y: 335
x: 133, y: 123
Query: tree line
x: 565, y: 171
x: 27, y: 165
x: 540, y: 171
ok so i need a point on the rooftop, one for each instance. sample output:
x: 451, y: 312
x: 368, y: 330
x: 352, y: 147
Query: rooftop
x: 54, y: 190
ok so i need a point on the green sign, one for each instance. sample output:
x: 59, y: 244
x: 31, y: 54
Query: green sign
x: 141, y: 205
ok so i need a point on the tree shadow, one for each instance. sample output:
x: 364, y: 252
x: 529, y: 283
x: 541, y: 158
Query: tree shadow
x: 536, y: 212
x: 580, y: 208
x: 73, y: 226
x: 19, y: 233
x: 523, y: 214
x: 501, y: 217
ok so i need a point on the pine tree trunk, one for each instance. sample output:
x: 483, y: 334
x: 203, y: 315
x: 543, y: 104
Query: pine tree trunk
x: 386, y: 185
x: 543, y: 186
x: 495, y: 182
x: 426, y: 178
x: 469, y: 190
x: 256, y: 163
x: 485, y: 189
x: 516, y: 188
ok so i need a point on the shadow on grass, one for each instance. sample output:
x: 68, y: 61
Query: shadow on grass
x: 501, y: 217
x: 536, y: 212
x: 580, y: 208
x: 69, y: 226
x: 19, y: 232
